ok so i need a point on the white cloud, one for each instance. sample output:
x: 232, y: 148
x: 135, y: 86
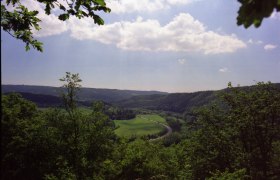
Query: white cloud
x: 129, y: 6
x: 257, y: 42
x: 275, y: 15
x: 224, y: 70
x: 181, y: 61
x: 50, y: 24
x: 268, y: 47
x: 183, y: 33
x: 179, y: 2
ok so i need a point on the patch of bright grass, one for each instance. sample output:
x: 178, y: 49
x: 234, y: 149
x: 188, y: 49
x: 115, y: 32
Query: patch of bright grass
x: 139, y: 126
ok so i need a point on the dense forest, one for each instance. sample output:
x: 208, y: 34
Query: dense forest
x: 237, y: 137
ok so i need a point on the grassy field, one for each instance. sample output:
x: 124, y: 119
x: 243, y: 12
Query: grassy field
x: 139, y: 126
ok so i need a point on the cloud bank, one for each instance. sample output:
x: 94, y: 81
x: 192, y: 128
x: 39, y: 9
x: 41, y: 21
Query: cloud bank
x: 130, y: 6
x: 269, y: 47
x: 181, y: 34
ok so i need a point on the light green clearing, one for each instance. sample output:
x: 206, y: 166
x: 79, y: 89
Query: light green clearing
x: 139, y: 126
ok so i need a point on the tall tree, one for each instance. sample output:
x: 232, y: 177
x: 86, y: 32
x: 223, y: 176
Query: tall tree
x: 71, y: 87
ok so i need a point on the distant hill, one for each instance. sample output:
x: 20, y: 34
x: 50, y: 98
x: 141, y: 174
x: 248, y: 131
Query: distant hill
x: 85, y: 94
x: 42, y: 100
x: 174, y: 102
x: 154, y: 100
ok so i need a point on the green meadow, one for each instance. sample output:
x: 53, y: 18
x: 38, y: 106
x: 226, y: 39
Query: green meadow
x: 139, y: 126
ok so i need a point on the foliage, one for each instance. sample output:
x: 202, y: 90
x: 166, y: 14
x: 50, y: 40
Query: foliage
x: 20, y: 21
x: 237, y: 175
x: 54, y: 144
x: 19, y: 24
x: 174, y: 123
x: 253, y: 11
x: 115, y: 113
x: 83, y: 145
x: 237, y: 139
x: 72, y: 87
x: 210, y: 147
x: 255, y: 117
x: 173, y: 138
x: 242, y: 135
x: 143, y: 160
x: 20, y: 139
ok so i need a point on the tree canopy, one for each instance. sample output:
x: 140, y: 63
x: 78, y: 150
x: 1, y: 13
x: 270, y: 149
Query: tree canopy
x: 254, y: 11
x: 236, y: 138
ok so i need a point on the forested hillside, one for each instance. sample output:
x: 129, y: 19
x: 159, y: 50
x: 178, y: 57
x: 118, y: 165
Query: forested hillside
x: 175, y: 102
x: 237, y: 142
x: 85, y: 94
x: 45, y: 96
x: 41, y: 100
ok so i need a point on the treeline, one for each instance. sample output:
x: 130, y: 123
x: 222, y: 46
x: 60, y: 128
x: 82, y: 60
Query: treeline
x: 239, y: 140
x: 116, y: 113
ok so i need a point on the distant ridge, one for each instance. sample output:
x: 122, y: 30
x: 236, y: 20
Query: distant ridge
x: 41, y: 100
x: 176, y: 102
x: 153, y: 100
x: 85, y: 94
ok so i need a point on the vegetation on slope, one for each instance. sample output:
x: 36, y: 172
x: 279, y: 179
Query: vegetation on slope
x: 85, y: 94
x: 238, y: 139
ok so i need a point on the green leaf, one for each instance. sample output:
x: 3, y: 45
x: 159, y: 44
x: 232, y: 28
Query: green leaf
x: 63, y: 17
x: 27, y: 47
x: 257, y: 22
x: 48, y: 9
x: 100, y: 2
x: 62, y: 7
x: 98, y: 20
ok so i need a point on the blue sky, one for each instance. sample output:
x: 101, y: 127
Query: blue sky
x: 166, y: 45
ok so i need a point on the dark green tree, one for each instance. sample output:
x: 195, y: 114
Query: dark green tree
x: 210, y: 147
x: 254, y: 11
x: 23, y: 154
x: 254, y: 115
x: 241, y: 135
x: 141, y: 159
x: 89, y: 138
x: 20, y: 21
x: 54, y: 143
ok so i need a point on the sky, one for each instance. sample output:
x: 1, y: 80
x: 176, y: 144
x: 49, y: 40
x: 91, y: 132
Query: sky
x: 164, y: 45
